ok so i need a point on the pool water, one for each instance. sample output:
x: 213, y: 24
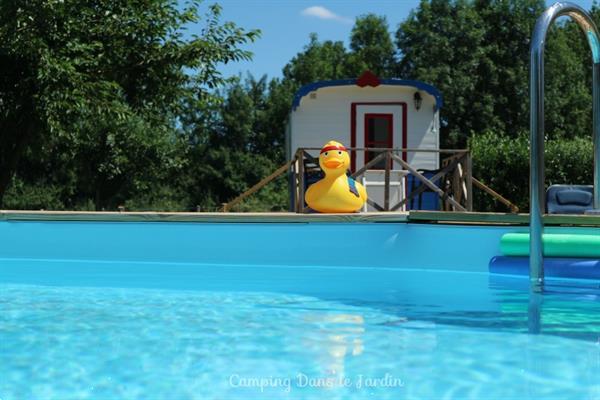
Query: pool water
x: 181, y: 331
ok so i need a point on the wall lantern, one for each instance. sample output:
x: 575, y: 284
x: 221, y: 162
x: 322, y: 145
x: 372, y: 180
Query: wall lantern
x: 418, y: 100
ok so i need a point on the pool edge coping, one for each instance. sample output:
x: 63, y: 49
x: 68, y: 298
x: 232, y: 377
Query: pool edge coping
x: 199, y: 217
x: 419, y: 217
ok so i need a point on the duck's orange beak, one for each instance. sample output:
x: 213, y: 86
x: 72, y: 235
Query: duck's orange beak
x: 333, y: 163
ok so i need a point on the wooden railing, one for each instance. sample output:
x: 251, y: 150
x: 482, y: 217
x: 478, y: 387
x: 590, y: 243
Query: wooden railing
x: 453, y: 182
x: 394, y: 158
x: 513, y: 207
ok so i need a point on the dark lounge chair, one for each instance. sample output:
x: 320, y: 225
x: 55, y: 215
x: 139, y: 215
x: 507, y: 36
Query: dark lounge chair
x: 569, y: 199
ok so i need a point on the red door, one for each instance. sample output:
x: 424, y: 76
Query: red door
x: 379, y: 133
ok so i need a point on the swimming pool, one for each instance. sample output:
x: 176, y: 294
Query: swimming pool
x: 307, y: 310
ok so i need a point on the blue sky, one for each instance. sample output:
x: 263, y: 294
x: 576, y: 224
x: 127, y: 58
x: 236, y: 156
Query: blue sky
x: 286, y: 25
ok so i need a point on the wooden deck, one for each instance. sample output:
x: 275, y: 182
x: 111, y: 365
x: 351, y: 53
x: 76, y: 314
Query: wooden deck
x: 219, y: 217
x: 424, y: 217
x: 470, y: 218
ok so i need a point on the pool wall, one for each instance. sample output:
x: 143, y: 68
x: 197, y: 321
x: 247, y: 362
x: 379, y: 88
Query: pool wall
x: 369, y: 262
x: 390, y: 245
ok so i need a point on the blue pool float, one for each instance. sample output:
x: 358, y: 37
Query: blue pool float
x: 575, y: 268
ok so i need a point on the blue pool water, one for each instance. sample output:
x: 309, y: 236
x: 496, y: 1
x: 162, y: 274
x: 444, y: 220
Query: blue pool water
x: 224, y: 332
x: 305, y: 311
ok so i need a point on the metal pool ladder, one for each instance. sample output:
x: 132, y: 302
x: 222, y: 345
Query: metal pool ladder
x: 536, y: 94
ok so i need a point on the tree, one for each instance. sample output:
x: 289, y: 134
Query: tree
x: 372, y: 47
x: 568, y: 87
x: 105, y: 83
x: 319, y: 61
x: 477, y: 54
x: 237, y: 149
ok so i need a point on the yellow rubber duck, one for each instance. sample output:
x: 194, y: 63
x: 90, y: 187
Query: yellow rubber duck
x: 336, y: 193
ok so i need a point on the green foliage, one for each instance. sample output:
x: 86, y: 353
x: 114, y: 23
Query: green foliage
x: 372, y: 47
x: 503, y: 164
x: 38, y: 196
x: 319, y: 61
x: 477, y: 54
x: 94, y: 91
x: 568, y: 88
x: 272, y: 198
x: 236, y: 147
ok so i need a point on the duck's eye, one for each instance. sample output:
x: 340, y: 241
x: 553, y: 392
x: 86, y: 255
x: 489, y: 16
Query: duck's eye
x: 340, y: 153
x: 326, y: 153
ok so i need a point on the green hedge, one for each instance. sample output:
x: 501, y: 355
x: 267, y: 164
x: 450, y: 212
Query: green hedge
x: 502, y: 163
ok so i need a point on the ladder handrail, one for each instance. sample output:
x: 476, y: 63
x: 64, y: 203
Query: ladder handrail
x: 536, y: 175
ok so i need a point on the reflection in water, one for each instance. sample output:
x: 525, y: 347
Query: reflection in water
x: 534, y: 312
x: 565, y: 308
x: 339, y: 336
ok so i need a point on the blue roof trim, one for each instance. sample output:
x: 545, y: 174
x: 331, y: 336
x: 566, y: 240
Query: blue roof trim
x: 306, y: 89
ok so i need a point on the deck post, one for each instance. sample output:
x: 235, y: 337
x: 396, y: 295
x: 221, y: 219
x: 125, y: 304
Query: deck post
x: 296, y: 179
x: 469, y: 180
x: 300, y: 181
x: 386, y: 193
x: 457, y: 178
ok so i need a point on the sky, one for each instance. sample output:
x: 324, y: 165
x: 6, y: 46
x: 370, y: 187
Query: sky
x: 286, y: 25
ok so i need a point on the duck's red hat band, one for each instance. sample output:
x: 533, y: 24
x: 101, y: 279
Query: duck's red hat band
x: 328, y: 148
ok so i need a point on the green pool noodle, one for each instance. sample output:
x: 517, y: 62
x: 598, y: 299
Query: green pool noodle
x: 555, y: 245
